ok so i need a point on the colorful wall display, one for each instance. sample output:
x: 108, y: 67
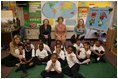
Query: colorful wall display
x: 98, y: 18
x: 54, y: 9
x: 32, y: 14
x: 83, y: 13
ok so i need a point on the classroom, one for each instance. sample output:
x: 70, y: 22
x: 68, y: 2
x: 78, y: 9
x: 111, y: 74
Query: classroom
x: 58, y: 39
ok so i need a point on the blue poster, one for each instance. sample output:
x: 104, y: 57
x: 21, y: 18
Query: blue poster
x: 55, y: 9
x: 98, y: 18
x: 70, y: 22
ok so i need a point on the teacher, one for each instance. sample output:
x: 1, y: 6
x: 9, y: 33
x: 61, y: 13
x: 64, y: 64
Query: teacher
x: 79, y: 30
x: 12, y: 59
x: 60, y: 30
x: 45, y: 31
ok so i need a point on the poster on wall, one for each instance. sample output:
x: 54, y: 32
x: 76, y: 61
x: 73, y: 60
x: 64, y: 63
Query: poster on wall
x: 54, y: 9
x: 94, y: 4
x: 83, y: 13
x: 98, y: 18
x: 32, y: 14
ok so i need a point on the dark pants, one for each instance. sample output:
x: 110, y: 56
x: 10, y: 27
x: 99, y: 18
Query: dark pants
x: 52, y: 74
x: 24, y: 67
x: 73, y: 71
x: 81, y: 60
x: 73, y: 40
x: 10, y: 61
x: 63, y: 62
x: 96, y: 56
x: 46, y: 40
x: 37, y: 61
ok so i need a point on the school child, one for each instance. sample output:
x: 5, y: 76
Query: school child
x: 60, y: 53
x: 46, y: 47
x: 41, y: 54
x: 77, y: 45
x: 83, y: 54
x: 98, y: 52
x: 73, y: 64
x: 19, y: 52
x: 59, y: 42
x: 53, y: 68
x: 92, y: 43
x: 27, y: 62
x: 28, y: 41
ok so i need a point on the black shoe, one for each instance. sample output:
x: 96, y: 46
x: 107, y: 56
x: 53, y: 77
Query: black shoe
x: 102, y: 60
x: 24, y: 74
x: 17, y: 69
x: 95, y: 61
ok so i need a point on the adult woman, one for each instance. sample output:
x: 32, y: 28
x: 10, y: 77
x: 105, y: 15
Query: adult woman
x: 12, y: 59
x: 79, y: 30
x: 45, y: 31
x: 60, y: 30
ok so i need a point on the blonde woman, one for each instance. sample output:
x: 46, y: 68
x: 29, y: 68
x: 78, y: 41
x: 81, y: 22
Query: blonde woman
x: 60, y: 30
x: 12, y: 59
x: 79, y: 30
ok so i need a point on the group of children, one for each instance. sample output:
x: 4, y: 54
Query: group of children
x: 74, y: 55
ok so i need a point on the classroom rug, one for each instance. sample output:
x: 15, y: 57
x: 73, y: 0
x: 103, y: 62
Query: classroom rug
x: 92, y: 70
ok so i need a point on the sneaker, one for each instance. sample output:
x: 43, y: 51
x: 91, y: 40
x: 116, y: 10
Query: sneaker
x: 98, y: 58
x: 24, y: 75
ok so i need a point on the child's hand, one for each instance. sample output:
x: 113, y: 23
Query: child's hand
x: 79, y: 57
x: 23, y: 63
x: 53, y: 64
x: 77, y: 50
x: 71, y: 56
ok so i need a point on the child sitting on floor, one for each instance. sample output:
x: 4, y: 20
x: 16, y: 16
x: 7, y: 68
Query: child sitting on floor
x: 28, y: 41
x: 98, y: 52
x: 46, y: 47
x: 59, y: 42
x: 77, y: 45
x: 41, y: 54
x: 60, y: 53
x: 28, y: 61
x: 73, y: 64
x: 83, y: 54
x: 19, y: 52
x: 53, y: 68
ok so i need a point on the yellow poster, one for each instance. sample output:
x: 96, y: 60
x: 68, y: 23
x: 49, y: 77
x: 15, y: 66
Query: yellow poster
x: 51, y: 22
x: 95, y: 4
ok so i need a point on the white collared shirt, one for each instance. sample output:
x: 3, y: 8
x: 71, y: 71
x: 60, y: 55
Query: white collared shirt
x: 98, y: 48
x: 57, y: 65
x: 71, y: 61
x: 91, y: 47
x: 46, y: 47
x: 78, y: 47
x: 41, y: 54
x: 82, y: 53
x: 61, y: 54
x: 32, y: 46
x: 18, y: 53
x: 33, y: 53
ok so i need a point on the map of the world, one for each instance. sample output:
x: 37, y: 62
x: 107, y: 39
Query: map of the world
x: 54, y: 9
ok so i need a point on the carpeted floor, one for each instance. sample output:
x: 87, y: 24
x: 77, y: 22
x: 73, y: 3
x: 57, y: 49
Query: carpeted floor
x: 92, y: 70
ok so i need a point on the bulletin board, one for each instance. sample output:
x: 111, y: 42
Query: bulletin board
x: 32, y: 14
x: 98, y: 18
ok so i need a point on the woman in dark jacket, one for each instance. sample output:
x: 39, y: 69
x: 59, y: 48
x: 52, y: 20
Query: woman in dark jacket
x: 45, y: 31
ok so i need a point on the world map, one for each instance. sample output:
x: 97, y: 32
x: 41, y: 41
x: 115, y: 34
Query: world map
x: 54, y: 9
